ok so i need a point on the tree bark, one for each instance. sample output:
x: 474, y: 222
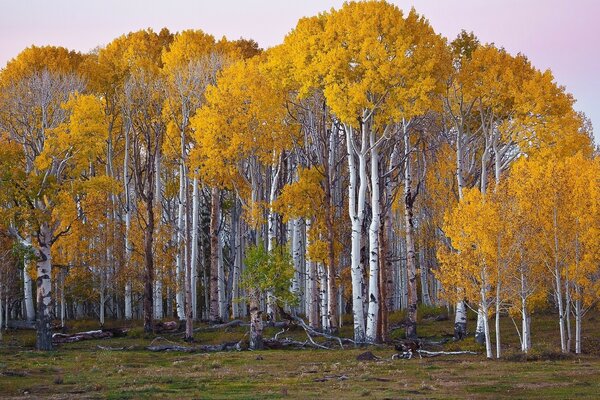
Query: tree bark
x: 214, y: 255
x: 411, y: 259
x: 44, y: 288
x: 356, y: 205
x: 374, y: 300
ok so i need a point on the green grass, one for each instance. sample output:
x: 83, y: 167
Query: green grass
x: 82, y: 370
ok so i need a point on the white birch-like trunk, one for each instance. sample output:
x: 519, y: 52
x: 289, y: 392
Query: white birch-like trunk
x: 28, y: 294
x: 578, y: 315
x: 44, y: 289
x: 373, y: 310
x: 180, y: 259
x: 356, y: 205
x: 221, y: 277
x: 525, y: 339
x: 128, y: 249
x: 323, y: 296
x: 483, y: 306
x: 236, y: 233
x: 497, y: 316
x: 460, y: 317
x: 276, y: 167
x: 102, y: 294
x: 295, y: 234
x: 194, y: 251
x: 158, y: 297
x: 558, y: 287
x: 479, y: 329
x: 312, y: 294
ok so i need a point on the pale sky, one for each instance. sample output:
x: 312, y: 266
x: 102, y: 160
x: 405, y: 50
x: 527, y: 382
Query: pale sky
x: 563, y: 35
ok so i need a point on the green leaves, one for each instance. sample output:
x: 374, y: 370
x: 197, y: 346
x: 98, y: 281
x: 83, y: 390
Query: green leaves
x: 270, y: 272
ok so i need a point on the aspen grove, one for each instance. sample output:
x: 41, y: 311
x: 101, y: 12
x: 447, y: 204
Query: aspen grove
x: 364, y: 166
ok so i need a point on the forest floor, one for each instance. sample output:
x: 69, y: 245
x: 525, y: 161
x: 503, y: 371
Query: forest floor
x: 83, y: 370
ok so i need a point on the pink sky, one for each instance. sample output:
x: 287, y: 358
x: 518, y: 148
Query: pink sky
x: 563, y: 35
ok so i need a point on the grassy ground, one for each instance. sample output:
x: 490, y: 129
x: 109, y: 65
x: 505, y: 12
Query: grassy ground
x: 82, y: 370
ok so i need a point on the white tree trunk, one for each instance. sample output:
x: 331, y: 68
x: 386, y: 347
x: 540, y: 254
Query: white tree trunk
x: 194, y: 251
x: 44, y: 289
x: 558, y: 288
x: 276, y: 167
x: 128, y: 249
x: 221, y: 277
x: 498, y: 336
x: 180, y: 259
x: 356, y: 206
x: 525, y: 333
x: 102, y: 294
x: 483, y: 306
x: 460, y: 320
x: 578, y: 315
x: 479, y: 329
x: 28, y: 294
x: 323, y: 296
x: 373, y: 310
x: 312, y: 293
x: 296, y: 260
x: 158, y: 297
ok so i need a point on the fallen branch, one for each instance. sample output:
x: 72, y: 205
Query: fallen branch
x: 444, y: 353
x: 312, y: 331
x: 172, y: 346
x: 108, y: 348
x: 89, y: 335
x: 287, y: 343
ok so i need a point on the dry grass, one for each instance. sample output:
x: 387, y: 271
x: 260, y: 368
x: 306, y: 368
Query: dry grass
x: 81, y: 370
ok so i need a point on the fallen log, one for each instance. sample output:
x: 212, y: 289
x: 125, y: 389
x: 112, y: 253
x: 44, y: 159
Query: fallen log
x: 426, y: 353
x: 20, y: 324
x: 59, y: 338
x: 230, y: 324
x: 207, y: 348
x: 168, y: 326
x: 287, y: 343
x: 108, y: 333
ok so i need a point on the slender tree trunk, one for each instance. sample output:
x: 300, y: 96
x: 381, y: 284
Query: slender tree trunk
x: 28, y: 293
x: 1, y: 304
x: 425, y: 296
x: 223, y: 312
x: 312, y: 286
x: 128, y: 249
x: 373, y: 311
x: 460, y: 318
x: 295, y: 228
x: 194, y: 251
x: 323, y: 296
x: 180, y: 259
x: 356, y: 204
x: 214, y: 255
x: 567, y: 311
x: 332, y: 289
x: 149, y: 260
x: 558, y: 288
x: 411, y: 261
x: 102, y: 294
x: 44, y: 288
x: 498, y: 336
x: 256, y: 324
x: 578, y: 315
